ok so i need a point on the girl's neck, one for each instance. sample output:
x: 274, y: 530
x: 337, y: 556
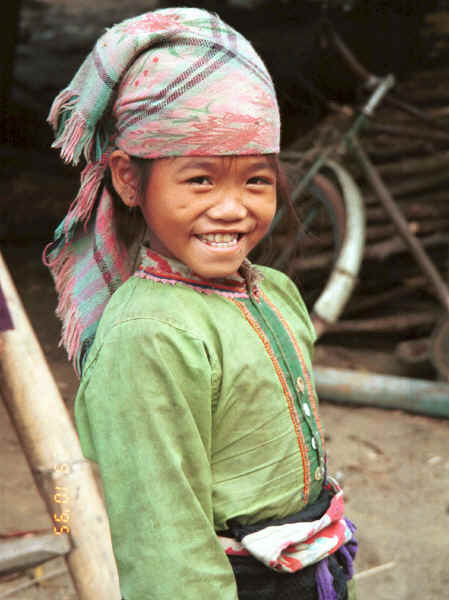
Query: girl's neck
x: 171, y: 265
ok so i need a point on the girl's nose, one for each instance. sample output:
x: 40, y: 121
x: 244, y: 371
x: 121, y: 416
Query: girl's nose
x: 228, y: 207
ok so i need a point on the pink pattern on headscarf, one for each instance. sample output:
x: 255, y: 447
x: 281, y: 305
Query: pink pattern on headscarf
x: 231, y: 132
x: 152, y: 22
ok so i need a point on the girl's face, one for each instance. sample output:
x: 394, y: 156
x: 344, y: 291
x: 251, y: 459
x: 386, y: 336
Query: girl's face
x: 209, y: 211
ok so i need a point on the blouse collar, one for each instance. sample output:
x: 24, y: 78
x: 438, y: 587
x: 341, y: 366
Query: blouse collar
x: 160, y: 268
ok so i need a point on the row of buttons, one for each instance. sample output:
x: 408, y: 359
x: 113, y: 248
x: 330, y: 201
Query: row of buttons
x: 319, y: 471
x: 300, y: 387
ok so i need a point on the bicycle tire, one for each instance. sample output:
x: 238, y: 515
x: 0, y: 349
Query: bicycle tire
x: 342, y: 280
x: 324, y: 193
x: 341, y: 202
x: 322, y: 215
x: 331, y: 198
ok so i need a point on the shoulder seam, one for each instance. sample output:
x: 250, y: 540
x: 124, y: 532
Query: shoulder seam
x: 120, y: 322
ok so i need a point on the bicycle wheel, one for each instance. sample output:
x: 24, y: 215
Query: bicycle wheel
x: 331, y: 302
x: 323, y: 220
x: 324, y: 255
x: 309, y: 253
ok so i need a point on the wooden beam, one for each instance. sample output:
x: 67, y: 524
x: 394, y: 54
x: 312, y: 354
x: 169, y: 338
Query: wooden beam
x: 51, y: 446
x: 26, y: 551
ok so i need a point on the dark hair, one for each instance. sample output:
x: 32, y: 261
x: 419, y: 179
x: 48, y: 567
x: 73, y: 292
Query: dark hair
x: 130, y: 221
x: 265, y: 252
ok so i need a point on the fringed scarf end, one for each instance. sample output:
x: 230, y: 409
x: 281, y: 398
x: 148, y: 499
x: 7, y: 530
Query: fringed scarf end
x: 52, y: 254
x: 72, y: 329
x: 63, y: 103
x: 71, y: 337
x: 64, y: 282
x: 83, y: 205
x: 74, y: 138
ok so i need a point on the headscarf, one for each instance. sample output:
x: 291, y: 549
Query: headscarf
x: 173, y: 82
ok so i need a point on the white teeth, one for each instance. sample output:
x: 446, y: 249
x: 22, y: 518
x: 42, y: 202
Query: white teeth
x: 219, y: 239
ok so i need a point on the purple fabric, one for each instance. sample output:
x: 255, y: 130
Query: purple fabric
x: 324, y: 581
x: 5, y: 317
x: 346, y: 556
x: 348, y: 552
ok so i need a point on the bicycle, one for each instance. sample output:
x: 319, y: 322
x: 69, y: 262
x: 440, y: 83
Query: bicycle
x: 330, y: 187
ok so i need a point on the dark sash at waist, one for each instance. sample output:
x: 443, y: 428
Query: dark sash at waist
x: 306, y: 555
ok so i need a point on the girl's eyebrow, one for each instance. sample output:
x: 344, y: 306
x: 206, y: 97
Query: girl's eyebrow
x: 260, y: 165
x: 201, y: 163
x: 196, y: 164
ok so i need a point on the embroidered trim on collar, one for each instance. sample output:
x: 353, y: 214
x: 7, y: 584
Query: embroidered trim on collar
x: 156, y: 267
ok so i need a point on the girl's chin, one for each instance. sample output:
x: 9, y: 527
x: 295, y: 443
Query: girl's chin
x: 215, y: 272
x: 214, y: 269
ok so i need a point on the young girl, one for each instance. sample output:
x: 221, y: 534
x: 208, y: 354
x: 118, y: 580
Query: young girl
x: 196, y: 398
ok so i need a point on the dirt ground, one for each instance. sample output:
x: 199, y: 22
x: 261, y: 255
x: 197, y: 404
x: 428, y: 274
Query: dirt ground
x: 394, y: 468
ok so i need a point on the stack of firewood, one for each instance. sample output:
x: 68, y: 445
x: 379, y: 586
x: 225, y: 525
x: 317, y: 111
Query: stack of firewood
x: 393, y: 305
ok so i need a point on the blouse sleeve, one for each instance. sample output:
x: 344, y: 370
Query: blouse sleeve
x: 143, y: 412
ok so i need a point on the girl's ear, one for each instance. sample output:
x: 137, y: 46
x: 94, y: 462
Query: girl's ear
x: 124, y: 177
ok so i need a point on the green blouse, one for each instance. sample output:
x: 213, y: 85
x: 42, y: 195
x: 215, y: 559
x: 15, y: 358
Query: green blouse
x: 197, y: 403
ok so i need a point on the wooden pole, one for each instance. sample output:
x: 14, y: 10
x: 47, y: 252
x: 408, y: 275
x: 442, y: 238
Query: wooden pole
x: 49, y: 441
x: 386, y: 391
x: 416, y: 249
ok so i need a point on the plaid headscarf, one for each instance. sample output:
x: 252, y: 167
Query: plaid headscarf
x: 173, y: 82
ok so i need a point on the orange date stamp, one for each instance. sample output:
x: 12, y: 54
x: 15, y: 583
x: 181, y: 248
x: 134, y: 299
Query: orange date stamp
x: 62, y: 519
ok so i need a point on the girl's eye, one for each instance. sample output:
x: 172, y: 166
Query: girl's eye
x: 200, y: 180
x: 260, y: 181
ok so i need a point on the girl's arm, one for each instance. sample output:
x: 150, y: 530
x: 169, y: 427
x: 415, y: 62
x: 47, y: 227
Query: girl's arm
x: 143, y: 413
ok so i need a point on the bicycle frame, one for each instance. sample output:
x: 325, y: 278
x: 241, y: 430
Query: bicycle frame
x: 351, y: 143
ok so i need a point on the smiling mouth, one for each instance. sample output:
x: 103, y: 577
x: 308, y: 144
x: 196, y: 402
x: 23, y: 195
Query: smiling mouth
x: 220, y: 240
